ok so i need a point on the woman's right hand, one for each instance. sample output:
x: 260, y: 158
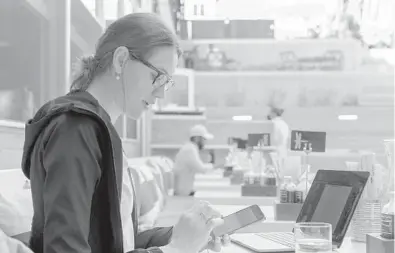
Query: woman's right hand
x: 192, y: 232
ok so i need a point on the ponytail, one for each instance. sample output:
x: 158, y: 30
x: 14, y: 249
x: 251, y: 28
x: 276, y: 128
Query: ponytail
x: 84, y: 73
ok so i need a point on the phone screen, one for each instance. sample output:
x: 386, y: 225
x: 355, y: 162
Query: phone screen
x: 238, y: 220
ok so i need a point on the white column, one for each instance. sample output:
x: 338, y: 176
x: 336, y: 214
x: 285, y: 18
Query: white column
x: 121, y: 8
x: 59, y: 47
x: 99, y: 12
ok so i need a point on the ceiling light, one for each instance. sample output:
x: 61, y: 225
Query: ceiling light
x: 242, y: 118
x: 348, y: 117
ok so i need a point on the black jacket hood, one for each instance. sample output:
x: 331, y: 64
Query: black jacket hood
x: 80, y: 102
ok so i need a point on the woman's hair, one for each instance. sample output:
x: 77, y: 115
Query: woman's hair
x: 139, y: 32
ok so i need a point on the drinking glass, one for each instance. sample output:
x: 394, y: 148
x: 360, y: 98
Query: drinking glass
x: 313, y: 237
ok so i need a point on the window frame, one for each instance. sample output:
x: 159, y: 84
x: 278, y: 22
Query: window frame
x: 124, y: 137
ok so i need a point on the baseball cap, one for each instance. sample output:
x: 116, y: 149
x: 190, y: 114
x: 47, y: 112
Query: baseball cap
x: 276, y: 110
x: 200, y: 130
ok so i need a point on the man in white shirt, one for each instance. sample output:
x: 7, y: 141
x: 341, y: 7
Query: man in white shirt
x: 281, y: 132
x: 188, y: 162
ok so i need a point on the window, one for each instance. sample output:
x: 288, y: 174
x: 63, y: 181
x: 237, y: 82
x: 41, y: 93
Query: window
x: 132, y: 129
x: 119, y: 126
x: 183, y: 92
x: 127, y: 128
x: 20, y: 94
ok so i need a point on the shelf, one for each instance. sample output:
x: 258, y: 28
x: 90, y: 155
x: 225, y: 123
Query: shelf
x: 12, y: 124
x: 284, y: 73
x: 184, y: 71
x: 179, y: 113
x: 226, y: 41
x: 178, y: 117
x: 236, y: 41
x: 177, y: 146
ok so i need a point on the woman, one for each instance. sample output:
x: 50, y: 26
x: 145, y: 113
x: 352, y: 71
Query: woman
x: 73, y: 154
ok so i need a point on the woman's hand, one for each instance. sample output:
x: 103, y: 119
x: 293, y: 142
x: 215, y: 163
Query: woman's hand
x: 215, y: 244
x: 192, y: 232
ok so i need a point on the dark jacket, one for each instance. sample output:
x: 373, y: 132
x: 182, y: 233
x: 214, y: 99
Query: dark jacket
x: 73, y: 158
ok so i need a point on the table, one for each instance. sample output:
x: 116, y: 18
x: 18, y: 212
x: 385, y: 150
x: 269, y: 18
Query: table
x: 171, y: 215
x: 229, y: 209
x: 348, y: 246
x: 232, y: 198
x: 215, y: 186
x: 217, y: 183
x: 212, y: 176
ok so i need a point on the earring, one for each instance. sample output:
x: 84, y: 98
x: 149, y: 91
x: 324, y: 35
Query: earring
x: 118, y: 76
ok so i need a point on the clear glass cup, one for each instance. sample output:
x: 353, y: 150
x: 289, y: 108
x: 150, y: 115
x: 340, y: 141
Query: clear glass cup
x: 313, y: 237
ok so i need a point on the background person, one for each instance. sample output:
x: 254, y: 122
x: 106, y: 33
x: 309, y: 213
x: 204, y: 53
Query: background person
x: 188, y: 161
x: 281, y: 135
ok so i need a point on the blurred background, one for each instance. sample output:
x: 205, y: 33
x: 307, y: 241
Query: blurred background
x: 328, y: 63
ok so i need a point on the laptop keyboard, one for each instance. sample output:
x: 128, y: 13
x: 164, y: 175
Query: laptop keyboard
x: 286, y: 239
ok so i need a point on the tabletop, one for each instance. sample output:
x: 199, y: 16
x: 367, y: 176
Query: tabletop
x: 217, y: 186
x: 172, y: 214
x: 348, y: 246
x: 229, y: 209
x: 224, y: 197
x: 217, y: 183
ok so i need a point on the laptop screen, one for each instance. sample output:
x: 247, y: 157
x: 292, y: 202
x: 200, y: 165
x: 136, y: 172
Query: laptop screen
x: 332, y: 199
x: 329, y: 209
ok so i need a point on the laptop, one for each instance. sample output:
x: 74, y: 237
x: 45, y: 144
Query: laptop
x: 332, y: 198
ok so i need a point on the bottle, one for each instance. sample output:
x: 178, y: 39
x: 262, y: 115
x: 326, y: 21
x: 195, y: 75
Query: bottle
x: 257, y: 178
x: 270, y: 179
x: 291, y: 188
x: 283, y: 190
x: 248, y: 178
x: 262, y: 178
x: 300, y: 192
x: 387, y: 219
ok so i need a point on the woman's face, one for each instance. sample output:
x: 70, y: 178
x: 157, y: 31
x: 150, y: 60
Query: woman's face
x: 145, y: 80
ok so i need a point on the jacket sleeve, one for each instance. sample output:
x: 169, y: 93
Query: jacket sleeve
x: 151, y: 241
x: 71, y: 160
x: 155, y: 237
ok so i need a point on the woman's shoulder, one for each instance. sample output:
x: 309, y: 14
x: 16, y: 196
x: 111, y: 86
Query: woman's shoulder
x: 72, y: 127
x: 74, y: 121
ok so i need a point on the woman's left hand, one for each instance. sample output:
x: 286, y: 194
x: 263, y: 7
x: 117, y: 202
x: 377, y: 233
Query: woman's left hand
x: 216, y: 244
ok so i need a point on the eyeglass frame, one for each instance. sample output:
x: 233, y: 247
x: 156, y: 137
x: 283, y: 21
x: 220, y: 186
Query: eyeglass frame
x: 168, y: 84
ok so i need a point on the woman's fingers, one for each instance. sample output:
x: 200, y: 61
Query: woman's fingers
x: 214, y: 222
x: 226, y: 240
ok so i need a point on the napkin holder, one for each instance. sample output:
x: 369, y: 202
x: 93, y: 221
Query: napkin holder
x: 375, y: 244
x: 286, y: 211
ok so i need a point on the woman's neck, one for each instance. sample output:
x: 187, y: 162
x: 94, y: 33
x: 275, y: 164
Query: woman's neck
x: 98, y: 89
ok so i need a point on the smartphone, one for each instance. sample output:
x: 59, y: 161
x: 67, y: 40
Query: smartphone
x: 238, y: 220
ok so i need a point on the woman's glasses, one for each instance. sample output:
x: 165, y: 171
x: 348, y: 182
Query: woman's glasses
x: 162, y: 79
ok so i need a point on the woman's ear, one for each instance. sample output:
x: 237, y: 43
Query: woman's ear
x: 121, y: 55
